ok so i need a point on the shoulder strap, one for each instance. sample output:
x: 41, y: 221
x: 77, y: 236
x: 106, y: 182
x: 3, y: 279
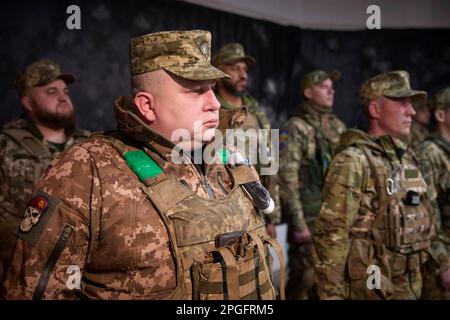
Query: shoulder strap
x: 27, y: 141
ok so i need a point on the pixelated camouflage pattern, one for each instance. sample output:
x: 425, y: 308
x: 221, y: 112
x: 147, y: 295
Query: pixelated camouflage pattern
x: 184, y: 53
x: 40, y: 73
x: 120, y: 243
x: 434, y: 160
x: 231, y: 53
x: 343, y: 233
x: 20, y: 170
x: 317, y: 76
x: 393, y: 84
x: 313, y: 131
x: 255, y: 119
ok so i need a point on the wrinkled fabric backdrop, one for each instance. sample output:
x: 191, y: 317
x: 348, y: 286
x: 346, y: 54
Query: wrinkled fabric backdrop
x: 98, y: 53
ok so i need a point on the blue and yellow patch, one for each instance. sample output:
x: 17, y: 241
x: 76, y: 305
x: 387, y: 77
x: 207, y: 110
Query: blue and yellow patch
x: 284, y: 137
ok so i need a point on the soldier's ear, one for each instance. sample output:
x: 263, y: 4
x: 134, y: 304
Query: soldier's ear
x: 307, y: 93
x: 439, y: 115
x: 374, y: 109
x: 26, y: 103
x: 145, y: 104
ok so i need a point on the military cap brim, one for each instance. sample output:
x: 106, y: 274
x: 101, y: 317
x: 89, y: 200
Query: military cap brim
x: 199, y: 73
x: 249, y: 60
x: 405, y: 93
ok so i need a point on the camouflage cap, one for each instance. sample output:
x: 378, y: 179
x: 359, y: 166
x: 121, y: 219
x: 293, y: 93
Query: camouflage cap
x: 40, y: 73
x: 318, y: 76
x: 231, y: 53
x: 186, y: 54
x: 393, y: 84
x: 441, y: 99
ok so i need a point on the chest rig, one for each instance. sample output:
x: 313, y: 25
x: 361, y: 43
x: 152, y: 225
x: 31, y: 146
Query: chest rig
x: 220, y: 246
x: 403, y: 214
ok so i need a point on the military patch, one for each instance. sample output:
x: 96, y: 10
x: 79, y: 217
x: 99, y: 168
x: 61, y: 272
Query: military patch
x: 36, y: 217
x: 204, y: 48
x: 284, y: 137
x: 36, y: 207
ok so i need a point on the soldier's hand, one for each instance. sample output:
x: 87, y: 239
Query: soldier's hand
x: 271, y: 230
x: 302, y: 237
x: 445, y: 279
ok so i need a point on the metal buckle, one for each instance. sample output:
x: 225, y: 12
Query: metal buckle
x: 390, y: 186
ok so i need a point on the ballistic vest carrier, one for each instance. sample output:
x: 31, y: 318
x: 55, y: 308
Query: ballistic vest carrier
x: 403, y: 222
x: 220, y: 252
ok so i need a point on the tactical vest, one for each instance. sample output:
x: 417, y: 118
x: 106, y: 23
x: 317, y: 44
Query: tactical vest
x: 36, y: 150
x: 219, y: 253
x: 313, y: 172
x: 403, y: 220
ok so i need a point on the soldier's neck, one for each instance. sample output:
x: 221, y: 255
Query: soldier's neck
x: 444, y: 132
x: 52, y: 135
x: 236, y: 101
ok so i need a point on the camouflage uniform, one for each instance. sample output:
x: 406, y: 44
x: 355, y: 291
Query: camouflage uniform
x: 256, y: 119
x: 307, y: 140
x: 374, y: 212
x: 418, y: 134
x: 133, y: 222
x: 24, y: 154
x: 434, y: 159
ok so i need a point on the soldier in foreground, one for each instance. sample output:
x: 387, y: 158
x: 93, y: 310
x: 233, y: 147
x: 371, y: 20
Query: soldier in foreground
x: 307, y: 141
x: 119, y: 216
x: 27, y: 145
x: 233, y: 95
x: 434, y: 155
x: 375, y: 215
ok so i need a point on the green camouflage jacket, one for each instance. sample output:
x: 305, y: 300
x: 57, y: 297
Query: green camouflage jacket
x: 24, y: 155
x: 434, y: 155
x: 306, y: 144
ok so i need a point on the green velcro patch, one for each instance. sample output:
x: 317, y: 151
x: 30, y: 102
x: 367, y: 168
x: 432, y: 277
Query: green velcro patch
x: 411, y: 173
x: 225, y: 156
x: 142, y: 164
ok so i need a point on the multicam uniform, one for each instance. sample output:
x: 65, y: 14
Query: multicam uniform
x: 435, y: 166
x: 139, y: 226
x: 375, y: 212
x: 24, y: 154
x: 306, y: 146
x: 418, y: 134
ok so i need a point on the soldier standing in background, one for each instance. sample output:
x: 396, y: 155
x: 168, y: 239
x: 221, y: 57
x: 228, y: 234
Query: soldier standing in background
x: 375, y: 213
x: 307, y: 140
x: 122, y: 214
x: 28, y: 144
x: 233, y: 95
x: 419, y: 130
x: 434, y: 155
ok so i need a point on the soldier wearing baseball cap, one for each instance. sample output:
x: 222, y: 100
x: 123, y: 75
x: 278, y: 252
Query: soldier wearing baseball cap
x: 235, y: 99
x: 307, y: 141
x: 372, y: 187
x: 136, y: 221
x: 29, y: 143
x: 434, y: 159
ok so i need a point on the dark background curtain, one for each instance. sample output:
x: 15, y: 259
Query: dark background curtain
x: 98, y: 53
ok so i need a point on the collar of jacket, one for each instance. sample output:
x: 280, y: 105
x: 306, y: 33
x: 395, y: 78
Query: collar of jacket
x: 131, y: 125
x: 392, y: 148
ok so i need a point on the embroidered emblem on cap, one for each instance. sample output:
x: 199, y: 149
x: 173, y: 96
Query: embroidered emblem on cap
x: 204, y: 48
x: 33, y: 213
